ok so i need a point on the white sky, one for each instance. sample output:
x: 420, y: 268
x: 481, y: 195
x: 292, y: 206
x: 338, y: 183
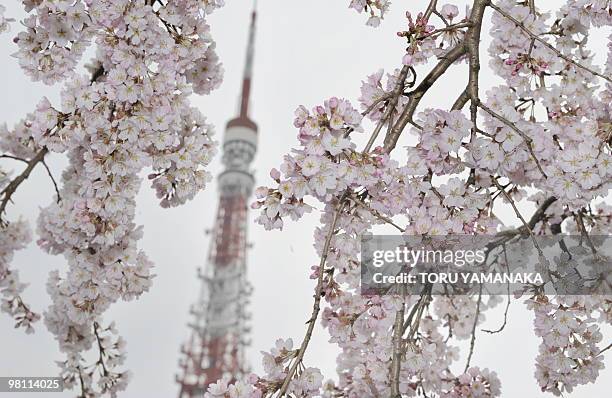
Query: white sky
x: 306, y: 52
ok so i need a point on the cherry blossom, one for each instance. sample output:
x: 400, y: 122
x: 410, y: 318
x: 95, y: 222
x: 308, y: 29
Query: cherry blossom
x: 376, y: 9
x: 542, y: 136
x: 132, y: 113
x: 14, y: 236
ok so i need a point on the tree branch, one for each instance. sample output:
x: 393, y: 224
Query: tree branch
x: 10, y: 189
x: 396, y: 361
x: 397, y: 91
x: 472, y: 43
x: 417, y: 94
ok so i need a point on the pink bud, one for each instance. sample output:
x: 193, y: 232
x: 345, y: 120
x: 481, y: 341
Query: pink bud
x: 275, y: 174
x: 315, y: 272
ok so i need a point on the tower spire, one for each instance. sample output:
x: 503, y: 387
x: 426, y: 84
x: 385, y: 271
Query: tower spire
x: 248, y: 66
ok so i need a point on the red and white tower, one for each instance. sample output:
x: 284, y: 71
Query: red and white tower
x: 219, y: 328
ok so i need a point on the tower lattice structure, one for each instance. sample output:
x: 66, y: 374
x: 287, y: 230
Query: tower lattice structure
x: 219, y: 329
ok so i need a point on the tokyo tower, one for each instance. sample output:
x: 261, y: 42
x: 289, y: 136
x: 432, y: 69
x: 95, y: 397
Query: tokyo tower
x: 218, y: 327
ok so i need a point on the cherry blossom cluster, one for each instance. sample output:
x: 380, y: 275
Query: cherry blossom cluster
x: 425, y: 41
x: 55, y: 39
x: 377, y: 91
x: 567, y: 145
x: 19, y: 141
x: 375, y: 9
x: 475, y: 383
x: 440, y: 140
x: 111, y: 353
x: 569, y: 354
x: 14, y: 236
x: 132, y: 113
x: 240, y: 389
x: 58, y: 33
x: 325, y: 165
x: 542, y: 136
x: 307, y: 384
x: 590, y: 13
x: 513, y: 57
x: 359, y: 325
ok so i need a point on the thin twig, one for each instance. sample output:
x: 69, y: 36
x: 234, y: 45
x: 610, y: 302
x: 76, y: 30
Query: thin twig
x: 604, y: 350
x: 377, y: 214
x: 518, y: 214
x: 415, y: 327
x: 317, y: 300
x: 14, y: 158
x: 584, y: 232
x: 57, y: 192
x: 10, y: 189
x: 376, y: 102
x: 473, y: 339
x: 503, y: 326
x: 448, y: 28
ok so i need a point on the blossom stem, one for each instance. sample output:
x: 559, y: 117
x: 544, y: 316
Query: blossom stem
x: 10, y: 189
x: 473, y: 338
x: 317, y: 300
x: 518, y: 214
x: 503, y: 326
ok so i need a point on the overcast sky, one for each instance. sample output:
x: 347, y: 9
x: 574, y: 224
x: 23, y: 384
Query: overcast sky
x: 306, y: 52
